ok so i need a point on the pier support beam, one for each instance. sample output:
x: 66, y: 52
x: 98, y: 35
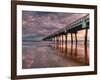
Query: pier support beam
x: 57, y: 39
x: 66, y: 43
x: 59, y: 42
x: 55, y: 42
x: 85, y: 45
x: 62, y: 43
x: 76, y: 44
x: 71, y: 43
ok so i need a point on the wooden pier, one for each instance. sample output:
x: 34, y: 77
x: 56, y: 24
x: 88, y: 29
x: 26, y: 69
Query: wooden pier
x: 71, y: 29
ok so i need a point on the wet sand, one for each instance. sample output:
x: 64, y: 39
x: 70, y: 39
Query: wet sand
x: 45, y: 55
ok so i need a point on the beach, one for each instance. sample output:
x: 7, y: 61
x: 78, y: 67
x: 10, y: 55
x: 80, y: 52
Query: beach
x: 46, y: 54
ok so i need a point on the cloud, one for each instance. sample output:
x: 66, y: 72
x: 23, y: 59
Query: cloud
x: 45, y: 23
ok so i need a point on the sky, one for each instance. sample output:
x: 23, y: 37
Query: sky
x: 37, y: 25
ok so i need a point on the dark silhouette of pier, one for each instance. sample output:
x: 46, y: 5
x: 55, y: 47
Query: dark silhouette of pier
x: 72, y: 29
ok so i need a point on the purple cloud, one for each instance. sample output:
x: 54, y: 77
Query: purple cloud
x: 45, y: 23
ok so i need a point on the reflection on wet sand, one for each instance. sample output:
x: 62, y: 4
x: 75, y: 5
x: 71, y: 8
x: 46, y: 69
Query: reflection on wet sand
x: 77, y: 53
x: 45, y: 54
